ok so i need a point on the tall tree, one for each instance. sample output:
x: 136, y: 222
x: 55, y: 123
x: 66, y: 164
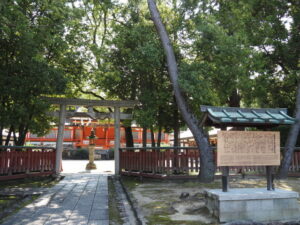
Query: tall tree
x: 206, y: 154
x: 272, y: 29
x: 291, y: 141
x: 134, y: 68
x: 33, y: 48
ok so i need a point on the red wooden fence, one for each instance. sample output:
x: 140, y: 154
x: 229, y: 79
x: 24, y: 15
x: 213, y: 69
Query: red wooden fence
x: 176, y: 160
x: 18, y: 162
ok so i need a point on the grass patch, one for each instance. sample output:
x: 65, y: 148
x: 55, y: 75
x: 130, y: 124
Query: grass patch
x: 33, y: 182
x: 114, y: 213
x: 159, y: 219
x: 160, y: 202
x: 197, y: 184
x: 10, y: 204
x: 15, y: 203
x: 131, y: 182
x: 160, y: 208
x: 7, y: 200
x: 165, y: 220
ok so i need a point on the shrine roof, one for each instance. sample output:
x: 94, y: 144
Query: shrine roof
x: 246, y: 117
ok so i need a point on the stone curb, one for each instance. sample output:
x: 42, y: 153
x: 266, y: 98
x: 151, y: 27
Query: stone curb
x: 136, y: 210
x: 125, y: 207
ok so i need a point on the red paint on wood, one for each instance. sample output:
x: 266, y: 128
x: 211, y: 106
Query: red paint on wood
x: 161, y: 161
x: 22, y: 161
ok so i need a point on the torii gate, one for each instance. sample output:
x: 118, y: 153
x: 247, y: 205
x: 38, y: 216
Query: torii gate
x: 64, y: 102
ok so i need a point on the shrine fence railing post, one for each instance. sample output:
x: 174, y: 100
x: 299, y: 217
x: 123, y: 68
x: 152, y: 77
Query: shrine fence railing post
x: 25, y: 161
x: 163, y: 162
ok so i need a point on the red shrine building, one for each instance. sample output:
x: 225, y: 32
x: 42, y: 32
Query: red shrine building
x: 76, y: 136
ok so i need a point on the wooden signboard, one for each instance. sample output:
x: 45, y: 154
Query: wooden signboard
x: 248, y: 148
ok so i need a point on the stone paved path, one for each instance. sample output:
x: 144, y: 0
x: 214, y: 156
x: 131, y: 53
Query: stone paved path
x: 77, y: 199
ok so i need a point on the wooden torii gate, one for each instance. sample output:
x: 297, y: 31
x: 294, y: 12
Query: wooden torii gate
x: 64, y: 102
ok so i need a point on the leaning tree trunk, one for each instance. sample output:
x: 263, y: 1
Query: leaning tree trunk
x: 206, y: 154
x: 176, y: 127
x: 291, y: 141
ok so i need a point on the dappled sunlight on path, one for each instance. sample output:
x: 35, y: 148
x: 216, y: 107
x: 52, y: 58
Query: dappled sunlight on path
x: 80, y: 198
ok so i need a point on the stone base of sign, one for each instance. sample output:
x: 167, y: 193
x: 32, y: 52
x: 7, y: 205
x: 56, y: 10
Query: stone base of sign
x: 91, y: 166
x: 256, y: 204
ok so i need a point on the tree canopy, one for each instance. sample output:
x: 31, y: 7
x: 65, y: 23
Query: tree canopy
x: 230, y: 53
x: 35, y: 48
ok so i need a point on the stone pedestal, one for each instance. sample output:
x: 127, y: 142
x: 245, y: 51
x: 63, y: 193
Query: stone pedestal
x: 257, y: 204
x: 91, y: 165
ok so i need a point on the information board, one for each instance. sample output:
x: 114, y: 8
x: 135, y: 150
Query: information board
x: 248, y: 148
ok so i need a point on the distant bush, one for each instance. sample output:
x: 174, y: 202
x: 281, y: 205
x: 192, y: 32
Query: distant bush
x: 81, y: 154
x: 76, y: 154
x: 111, y: 153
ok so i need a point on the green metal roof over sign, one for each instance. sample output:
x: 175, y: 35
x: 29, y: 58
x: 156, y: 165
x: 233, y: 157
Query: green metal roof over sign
x: 246, y: 117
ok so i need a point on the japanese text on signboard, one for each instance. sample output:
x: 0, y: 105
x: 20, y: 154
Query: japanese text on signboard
x: 248, y: 148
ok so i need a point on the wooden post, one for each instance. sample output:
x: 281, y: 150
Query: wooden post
x: 225, y: 173
x: 225, y: 176
x: 270, y: 175
x: 117, y: 139
x: 60, y: 138
x: 270, y: 178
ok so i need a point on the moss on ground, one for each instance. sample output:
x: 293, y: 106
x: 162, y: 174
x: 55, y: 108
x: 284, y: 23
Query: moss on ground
x: 114, y: 212
x: 131, y: 182
x: 33, y: 182
x: 161, y: 202
x: 166, y: 220
x: 160, y: 208
x: 13, y: 203
x: 7, y: 200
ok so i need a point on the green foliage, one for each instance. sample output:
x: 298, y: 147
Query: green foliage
x: 34, y: 54
x: 133, y: 67
x: 228, y: 53
x: 272, y: 29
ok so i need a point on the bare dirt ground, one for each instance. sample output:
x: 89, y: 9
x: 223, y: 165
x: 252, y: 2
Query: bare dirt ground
x: 174, y: 202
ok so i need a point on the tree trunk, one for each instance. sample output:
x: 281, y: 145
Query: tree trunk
x: 159, y: 136
x: 234, y: 99
x: 21, y: 138
x: 206, y: 154
x: 152, y: 138
x: 176, y: 125
x: 1, y: 135
x: 144, y: 136
x: 8, y: 136
x: 128, y: 136
x: 15, y: 137
x: 291, y: 141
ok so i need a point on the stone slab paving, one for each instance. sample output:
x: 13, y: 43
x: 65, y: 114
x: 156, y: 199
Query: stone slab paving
x: 77, y: 199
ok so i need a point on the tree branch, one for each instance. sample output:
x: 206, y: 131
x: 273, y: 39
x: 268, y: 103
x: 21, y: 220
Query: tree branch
x: 94, y: 94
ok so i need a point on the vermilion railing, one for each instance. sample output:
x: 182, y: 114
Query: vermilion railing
x: 23, y: 161
x: 163, y: 160
x: 177, y: 160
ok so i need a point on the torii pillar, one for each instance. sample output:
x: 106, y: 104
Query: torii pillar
x: 117, y: 139
x: 60, y: 138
